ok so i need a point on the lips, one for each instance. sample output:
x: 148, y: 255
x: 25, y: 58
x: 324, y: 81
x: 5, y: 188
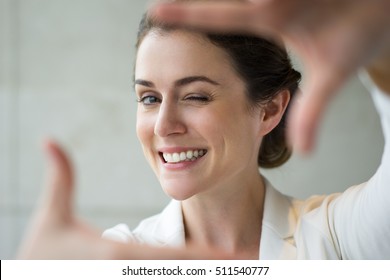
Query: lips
x: 183, y: 156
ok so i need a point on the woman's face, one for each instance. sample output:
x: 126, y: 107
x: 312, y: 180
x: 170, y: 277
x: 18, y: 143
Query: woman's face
x: 193, y: 120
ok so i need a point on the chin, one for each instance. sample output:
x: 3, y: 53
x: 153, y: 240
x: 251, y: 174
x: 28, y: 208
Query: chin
x: 177, y: 192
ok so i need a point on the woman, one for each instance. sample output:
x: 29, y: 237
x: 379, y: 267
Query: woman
x: 352, y: 225
x: 212, y: 108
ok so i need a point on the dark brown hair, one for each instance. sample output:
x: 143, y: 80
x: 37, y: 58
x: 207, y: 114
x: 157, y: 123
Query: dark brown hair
x: 265, y: 68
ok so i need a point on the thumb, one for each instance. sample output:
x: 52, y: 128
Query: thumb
x: 308, y: 109
x: 58, y: 198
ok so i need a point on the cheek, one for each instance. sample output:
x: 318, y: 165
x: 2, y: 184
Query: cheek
x: 144, y: 129
x: 238, y: 129
x: 235, y: 118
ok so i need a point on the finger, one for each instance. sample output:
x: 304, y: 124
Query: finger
x: 216, y: 17
x: 60, y: 179
x: 308, y: 109
x: 135, y: 251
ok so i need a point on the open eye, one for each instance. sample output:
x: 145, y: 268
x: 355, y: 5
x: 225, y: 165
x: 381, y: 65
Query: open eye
x: 149, y: 100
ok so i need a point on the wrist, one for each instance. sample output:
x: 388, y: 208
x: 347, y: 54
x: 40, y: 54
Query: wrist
x: 379, y: 69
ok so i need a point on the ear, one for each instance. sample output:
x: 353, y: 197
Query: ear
x: 273, y: 111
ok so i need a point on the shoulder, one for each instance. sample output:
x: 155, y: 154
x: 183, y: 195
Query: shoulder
x: 321, y: 225
x: 302, y: 229
x: 163, y: 229
x: 285, y: 214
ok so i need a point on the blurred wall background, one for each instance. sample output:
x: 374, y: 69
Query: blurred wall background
x: 66, y: 72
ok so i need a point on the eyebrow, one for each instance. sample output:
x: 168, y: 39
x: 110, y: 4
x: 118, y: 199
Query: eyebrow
x: 180, y: 82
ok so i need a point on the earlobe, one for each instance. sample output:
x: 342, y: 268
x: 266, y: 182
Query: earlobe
x: 273, y: 111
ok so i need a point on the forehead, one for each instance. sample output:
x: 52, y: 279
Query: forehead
x: 180, y: 53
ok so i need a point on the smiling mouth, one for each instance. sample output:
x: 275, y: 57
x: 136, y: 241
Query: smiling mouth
x: 190, y: 155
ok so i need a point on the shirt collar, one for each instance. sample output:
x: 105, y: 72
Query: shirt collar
x: 278, y: 226
x: 170, y: 226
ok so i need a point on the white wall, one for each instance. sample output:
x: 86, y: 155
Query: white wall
x: 66, y: 72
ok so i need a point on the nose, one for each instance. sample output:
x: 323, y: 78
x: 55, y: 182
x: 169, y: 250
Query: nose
x: 169, y: 121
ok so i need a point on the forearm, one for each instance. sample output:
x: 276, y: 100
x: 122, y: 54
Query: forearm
x: 361, y: 216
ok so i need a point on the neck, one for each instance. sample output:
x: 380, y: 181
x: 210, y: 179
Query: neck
x: 229, y: 218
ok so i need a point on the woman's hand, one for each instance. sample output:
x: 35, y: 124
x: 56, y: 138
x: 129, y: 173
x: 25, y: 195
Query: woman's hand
x: 55, y: 232
x: 379, y: 70
x: 333, y: 38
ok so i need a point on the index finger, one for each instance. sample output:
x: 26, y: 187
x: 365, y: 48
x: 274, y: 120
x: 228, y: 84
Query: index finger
x: 240, y: 16
x: 60, y: 180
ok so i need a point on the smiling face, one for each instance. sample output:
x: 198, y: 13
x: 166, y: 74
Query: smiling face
x: 194, y: 121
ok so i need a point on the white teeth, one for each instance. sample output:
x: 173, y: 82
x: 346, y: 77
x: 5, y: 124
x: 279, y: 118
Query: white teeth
x: 183, y: 156
x: 175, y: 157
